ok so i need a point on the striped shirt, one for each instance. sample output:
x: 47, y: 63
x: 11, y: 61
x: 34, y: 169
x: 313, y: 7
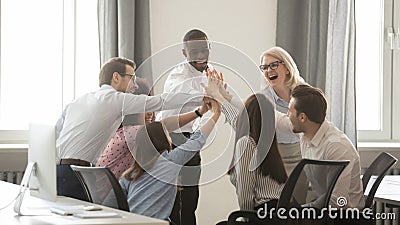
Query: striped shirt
x: 252, y: 188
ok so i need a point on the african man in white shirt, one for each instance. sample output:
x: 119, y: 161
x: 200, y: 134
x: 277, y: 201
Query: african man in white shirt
x: 186, y: 78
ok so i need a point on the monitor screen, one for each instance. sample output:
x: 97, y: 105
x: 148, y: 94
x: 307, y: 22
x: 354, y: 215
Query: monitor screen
x: 42, y: 151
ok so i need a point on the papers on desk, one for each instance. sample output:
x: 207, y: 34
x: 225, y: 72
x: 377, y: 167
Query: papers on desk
x: 389, y: 185
x: 392, y: 182
x: 96, y: 214
x: 80, y: 211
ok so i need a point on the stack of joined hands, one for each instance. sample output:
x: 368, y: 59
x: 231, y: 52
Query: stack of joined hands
x: 216, y: 88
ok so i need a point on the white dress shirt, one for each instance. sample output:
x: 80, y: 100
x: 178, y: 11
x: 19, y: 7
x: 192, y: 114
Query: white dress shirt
x: 184, y: 78
x: 329, y: 143
x: 88, y: 123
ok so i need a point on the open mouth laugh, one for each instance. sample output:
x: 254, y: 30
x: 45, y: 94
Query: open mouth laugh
x: 273, y: 77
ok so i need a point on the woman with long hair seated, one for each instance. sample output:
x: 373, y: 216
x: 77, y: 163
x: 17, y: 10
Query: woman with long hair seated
x: 150, y: 183
x: 258, y: 173
x: 257, y: 170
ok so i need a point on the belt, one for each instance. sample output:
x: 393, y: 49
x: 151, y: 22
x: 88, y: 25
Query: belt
x: 77, y: 162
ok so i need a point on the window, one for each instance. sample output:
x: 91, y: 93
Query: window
x: 377, y: 69
x: 49, y: 55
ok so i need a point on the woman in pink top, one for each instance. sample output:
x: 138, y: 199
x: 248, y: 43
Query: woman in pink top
x: 117, y: 156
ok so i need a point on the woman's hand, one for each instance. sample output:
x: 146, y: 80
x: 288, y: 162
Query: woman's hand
x: 217, y: 79
x: 214, y: 83
x: 212, y: 89
x: 214, y: 74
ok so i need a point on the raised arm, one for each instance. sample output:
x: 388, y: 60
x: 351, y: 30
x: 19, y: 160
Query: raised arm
x: 231, y: 114
x: 215, y: 107
x: 131, y: 104
x: 174, y: 122
x: 214, y: 90
x: 181, y: 154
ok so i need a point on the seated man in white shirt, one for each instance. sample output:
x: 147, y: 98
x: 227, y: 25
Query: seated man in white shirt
x: 186, y: 78
x: 321, y: 140
x: 88, y: 123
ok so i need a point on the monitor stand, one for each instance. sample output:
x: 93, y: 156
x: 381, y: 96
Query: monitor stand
x: 30, y: 168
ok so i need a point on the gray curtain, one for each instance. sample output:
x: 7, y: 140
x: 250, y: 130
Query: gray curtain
x: 320, y: 35
x: 124, y: 30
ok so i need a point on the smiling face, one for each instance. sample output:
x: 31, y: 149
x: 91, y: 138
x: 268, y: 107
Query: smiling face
x: 125, y: 82
x: 294, y: 117
x: 278, y: 76
x: 196, y: 52
x: 130, y: 84
x: 148, y: 118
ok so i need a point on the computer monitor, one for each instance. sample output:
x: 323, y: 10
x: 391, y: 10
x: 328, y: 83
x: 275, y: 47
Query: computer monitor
x: 40, y: 172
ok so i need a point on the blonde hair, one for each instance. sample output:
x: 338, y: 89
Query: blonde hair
x: 281, y: 54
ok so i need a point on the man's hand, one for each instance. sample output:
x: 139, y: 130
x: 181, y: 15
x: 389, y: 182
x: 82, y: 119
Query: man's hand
x: 206, y: 105
x: 215, y: 107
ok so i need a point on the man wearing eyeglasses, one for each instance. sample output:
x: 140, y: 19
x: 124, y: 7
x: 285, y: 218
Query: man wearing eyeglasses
x: 186, y: 78
x: 88, y: 123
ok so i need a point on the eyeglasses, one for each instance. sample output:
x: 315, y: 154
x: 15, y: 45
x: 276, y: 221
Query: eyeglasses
x: 132, y: 76
x: 273, y: 66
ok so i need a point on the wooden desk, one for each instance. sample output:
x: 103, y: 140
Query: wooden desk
x: 389, y: 190
x: 36, y: 206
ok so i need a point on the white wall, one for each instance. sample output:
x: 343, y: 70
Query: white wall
x: 246, y: 25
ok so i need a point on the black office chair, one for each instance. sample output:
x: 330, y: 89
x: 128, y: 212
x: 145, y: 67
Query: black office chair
x: 101, y: 186
x: 377, y: 169
x: 327, y: 171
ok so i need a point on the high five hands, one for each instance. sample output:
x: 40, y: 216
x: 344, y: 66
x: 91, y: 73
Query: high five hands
x: 216, y: 87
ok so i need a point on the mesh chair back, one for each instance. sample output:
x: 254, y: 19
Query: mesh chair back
x: 374, y: 175
x: 102, y: 187
x: 321, y: 175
